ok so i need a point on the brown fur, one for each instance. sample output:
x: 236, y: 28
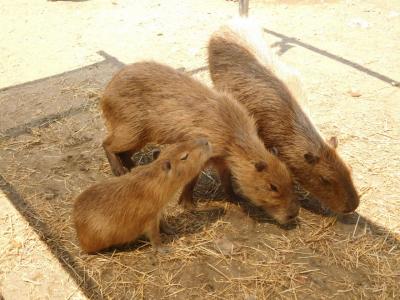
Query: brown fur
x: 153, y: 103
x: 120, y: 209
x: 251, y: 73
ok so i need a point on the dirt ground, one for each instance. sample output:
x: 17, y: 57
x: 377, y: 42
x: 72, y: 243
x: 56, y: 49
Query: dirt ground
x: 56, y: 58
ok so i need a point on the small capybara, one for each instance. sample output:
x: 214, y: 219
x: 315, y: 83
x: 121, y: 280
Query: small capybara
x: 240, y: 63
x: 148, y: 102
x: 120, y: 209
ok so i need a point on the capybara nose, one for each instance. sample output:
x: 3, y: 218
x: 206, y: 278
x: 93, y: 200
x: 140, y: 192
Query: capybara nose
x: 352, y: 204
x: 349, y: 208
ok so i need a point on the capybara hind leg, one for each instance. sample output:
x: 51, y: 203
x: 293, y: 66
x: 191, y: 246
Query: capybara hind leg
x: 118, y: 150
x: 186, y: 198
x: 89, y: 245
x: 115, y: 163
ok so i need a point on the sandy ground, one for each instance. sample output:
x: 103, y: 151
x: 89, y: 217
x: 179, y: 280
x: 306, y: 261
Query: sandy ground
x: 337, y: 46
x: 28, y: 269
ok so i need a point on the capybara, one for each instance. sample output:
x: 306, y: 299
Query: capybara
x: 148, y: 102
x: 240, y: 63
x: 120, y: 209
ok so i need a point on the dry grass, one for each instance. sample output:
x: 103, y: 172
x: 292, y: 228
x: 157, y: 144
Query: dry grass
x: 224, y: 250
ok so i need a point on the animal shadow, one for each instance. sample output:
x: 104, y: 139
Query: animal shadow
x: 185, y: 223
x: 208, y: 187
x: 314, y: 206
x: 190, y: 222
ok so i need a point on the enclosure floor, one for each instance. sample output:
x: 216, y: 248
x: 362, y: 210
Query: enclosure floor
x: 56, y: 58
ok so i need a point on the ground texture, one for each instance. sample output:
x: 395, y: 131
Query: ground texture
x: 56, y: 58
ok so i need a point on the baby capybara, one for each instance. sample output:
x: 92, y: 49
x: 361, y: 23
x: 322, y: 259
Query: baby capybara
x: 149, y: 102
x: 120, y: 209
x: 243, y: 65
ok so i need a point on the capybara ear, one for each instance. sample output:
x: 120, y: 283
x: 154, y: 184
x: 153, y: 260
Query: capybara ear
x: 184, y: 156
x: 156, y: 153
x: 261, y: 166
x: 333, y: 142
x: 311, y: 158
x: 274, y: 151
x: 166, y: 166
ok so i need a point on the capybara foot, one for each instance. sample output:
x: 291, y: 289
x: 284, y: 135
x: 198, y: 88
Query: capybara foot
x: 163, y: 250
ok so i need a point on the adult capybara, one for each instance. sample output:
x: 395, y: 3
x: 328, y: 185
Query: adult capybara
x: 152, y: 103
x: 120, y: 209
x: 243, y: 65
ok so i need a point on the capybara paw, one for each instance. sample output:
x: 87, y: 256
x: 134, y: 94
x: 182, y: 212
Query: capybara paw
x: 162, y: 250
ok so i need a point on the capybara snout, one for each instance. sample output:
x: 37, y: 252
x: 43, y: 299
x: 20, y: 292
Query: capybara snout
x: 270, y: 186
x: 330, y: 180
x: 284, y: 213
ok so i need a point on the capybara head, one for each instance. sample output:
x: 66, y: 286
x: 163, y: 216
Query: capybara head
x: 269, y: 186
x: 329, y: 178
x: 183, y: 161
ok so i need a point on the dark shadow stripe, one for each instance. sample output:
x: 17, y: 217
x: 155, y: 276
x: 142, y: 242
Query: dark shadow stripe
x: 290, y: 40
x: 198, y: 70
x: 45, y: 121
x: 111, y: 58
x: 106, y: 57
x: 87, y: 285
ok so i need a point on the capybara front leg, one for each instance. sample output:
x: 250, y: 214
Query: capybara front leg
x: 115, y: 162
x: 186, y: 198
x: 226, y: 181
x: 153, y: 233
x: 225, y: 176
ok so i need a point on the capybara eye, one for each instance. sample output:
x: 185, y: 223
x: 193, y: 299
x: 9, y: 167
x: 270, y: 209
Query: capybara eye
x: 325, y: 181
x: 273, y: 188
x: 274, y: 151
x: 185, y: 156
x: 311, y: 158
